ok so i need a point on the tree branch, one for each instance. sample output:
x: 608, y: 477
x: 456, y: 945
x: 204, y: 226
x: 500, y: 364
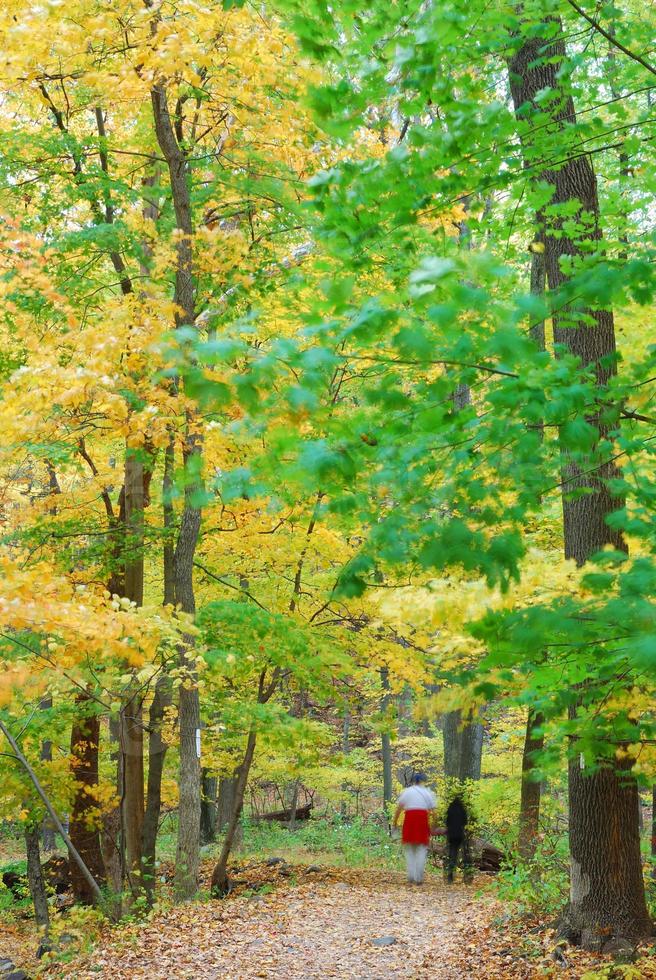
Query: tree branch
x: 611, y: 37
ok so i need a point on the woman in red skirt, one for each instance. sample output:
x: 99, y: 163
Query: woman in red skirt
x: 418, y: 804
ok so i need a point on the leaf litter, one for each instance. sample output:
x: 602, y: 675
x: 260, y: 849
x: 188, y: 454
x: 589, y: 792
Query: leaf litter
x: 300, y: 923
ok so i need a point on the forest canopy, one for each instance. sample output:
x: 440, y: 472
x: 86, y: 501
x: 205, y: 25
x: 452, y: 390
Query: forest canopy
x: 327, y: 366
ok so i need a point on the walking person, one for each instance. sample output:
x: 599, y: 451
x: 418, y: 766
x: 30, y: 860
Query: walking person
x: 456, y: 837
x: 417, y: 803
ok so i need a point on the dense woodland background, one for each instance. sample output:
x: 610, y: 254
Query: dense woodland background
x: 327, y: 449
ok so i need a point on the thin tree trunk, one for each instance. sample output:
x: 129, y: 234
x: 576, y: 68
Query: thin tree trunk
x: 83, y: 830
x: 529, y: 807
x: 72, y: 850
x: 163, y: 695
x: 607, y: 890
x: 531, y: 789
x: 168, y: 514
x: 220, y: 873
x: 49, y: 838
x: 157, y: 749
x: 386, y: 742
x: 131, y: 718
x: 188, y: 849
x: 653, y: 831
x: 35, y: 879
x: 132, y: 744
x: 48, y: 831
x: 463, y: 739
x: 346, y: 748
x: 111, y: 838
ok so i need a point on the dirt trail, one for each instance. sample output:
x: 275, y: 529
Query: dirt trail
x: 316, y: 929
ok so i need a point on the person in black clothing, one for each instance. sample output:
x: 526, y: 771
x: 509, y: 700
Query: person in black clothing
x: 456, y: 836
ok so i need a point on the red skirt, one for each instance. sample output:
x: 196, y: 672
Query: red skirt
x: 415, y: 827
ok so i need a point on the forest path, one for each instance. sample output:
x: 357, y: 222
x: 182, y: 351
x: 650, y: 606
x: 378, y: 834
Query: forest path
x: 317, y: 927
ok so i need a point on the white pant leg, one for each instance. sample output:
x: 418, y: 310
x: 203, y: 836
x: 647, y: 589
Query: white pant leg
x: 421, y: 853
x: 411, y: 861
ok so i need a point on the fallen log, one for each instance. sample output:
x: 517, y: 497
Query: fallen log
x: 285, y: 816
x: 56, y: 872
x: 483, y: 855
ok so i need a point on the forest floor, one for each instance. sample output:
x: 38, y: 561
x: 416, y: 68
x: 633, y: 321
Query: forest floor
x: 294, y: 922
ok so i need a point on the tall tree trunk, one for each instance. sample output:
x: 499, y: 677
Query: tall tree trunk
x: 531, y: 789
x: 157, y: 749
x: 226, y: 801
x: 346, y: 748
x: 83, y: 831
x: 607, y: 889
x: 463, y: 747
x: 529, y: 807
x: 168, y: 514
x: 463, y: 739
x: 386, y: 742
x: 220, y: 873
x: 132, y: 744
x: 653, y: 830
x: 111, y: 837
x: 131, y: 719
x: 48, y: 831
x: 35, y: 878
x: 163, y: 696
x: 208, y: 807
x: 188, y: 849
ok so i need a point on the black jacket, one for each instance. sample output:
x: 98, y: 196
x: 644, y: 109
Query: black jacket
x: 456, y: 821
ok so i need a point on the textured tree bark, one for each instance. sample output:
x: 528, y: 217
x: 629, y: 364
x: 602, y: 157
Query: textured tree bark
x: 529, y: 807
x: 220, y: 873
x: 607, y: 890
x: 208, y: 807
x: 35, y: 878
x: 607, y: 895
x: 188, y: 849
x: 226, y: 801
x: 83, y: 831
x: 463, y: 747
